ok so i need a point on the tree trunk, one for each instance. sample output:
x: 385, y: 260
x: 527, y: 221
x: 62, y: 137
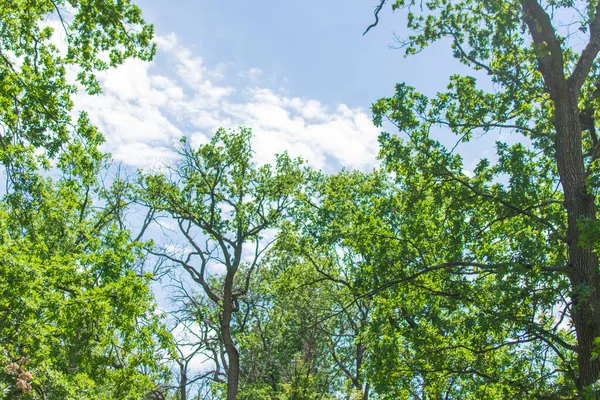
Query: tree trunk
x: 365, y: 394
x: 579, y: 204
x: 233, y: 356
x: 583, y: 262
x: 183, y: 380
x: 360, y: 351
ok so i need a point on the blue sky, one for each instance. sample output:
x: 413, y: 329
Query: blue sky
x: 301, y: 74
x: 317, y: 45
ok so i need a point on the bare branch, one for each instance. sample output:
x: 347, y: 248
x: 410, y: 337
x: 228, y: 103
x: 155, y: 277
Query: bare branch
x: 376, y: 12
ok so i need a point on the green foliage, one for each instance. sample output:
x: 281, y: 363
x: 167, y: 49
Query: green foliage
x: 35, y: 92
x: 458, y: 282
x: 228, y: 210
x: 76, y: 319
x: 475, y: 271
x: 72, y: 306
x: 222, y: 191
x: 418, y: 280
x: 284, y: 346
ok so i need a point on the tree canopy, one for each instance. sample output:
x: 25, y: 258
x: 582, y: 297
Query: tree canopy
x: 76, y: 310
x: 530, y: 213
x: 426, y: 278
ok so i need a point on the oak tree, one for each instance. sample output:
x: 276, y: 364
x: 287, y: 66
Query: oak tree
x: 529, y: 216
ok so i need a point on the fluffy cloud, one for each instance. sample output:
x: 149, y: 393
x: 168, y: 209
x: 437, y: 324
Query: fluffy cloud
x: 146, y: 107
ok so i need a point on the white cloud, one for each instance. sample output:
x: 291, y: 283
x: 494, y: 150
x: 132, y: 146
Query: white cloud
x: 146, y: 107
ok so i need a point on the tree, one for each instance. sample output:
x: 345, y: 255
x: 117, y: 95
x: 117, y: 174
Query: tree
x: 440, y: 322
x: 530, y: 217
x: 77, y: 317
x: 334, y: 231
x: 35, y: 90
x: 224, y: 207
x: 287, y: 350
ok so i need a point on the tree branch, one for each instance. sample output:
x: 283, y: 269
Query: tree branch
x: 588, y: 55
x: 376, y: 12
x: 549, y: 52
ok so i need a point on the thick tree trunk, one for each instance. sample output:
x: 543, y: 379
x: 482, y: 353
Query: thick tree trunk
x: 579, y: 204
x: 583, y: 262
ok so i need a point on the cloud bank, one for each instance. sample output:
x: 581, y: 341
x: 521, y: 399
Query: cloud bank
x: 146, y: 108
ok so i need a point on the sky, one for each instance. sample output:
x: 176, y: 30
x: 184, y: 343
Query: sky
x: 300, y: 74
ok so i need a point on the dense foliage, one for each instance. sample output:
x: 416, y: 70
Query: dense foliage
x: 421, y: 279
x: 522, y: 227
x: 76, y: 313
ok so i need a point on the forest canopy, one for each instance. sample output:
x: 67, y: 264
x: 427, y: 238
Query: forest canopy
x: 422, y: 278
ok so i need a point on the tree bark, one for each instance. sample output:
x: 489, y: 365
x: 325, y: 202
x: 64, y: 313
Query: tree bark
x: 360, y: 351
x: 579, y: 204
x: 583, y: 262
x: 182, y: 380
x: 233, y: 356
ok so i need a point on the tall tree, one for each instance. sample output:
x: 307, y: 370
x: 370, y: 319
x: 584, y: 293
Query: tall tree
x: 224, y: 206
x: 542, y: 194
x: 76, y: 317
